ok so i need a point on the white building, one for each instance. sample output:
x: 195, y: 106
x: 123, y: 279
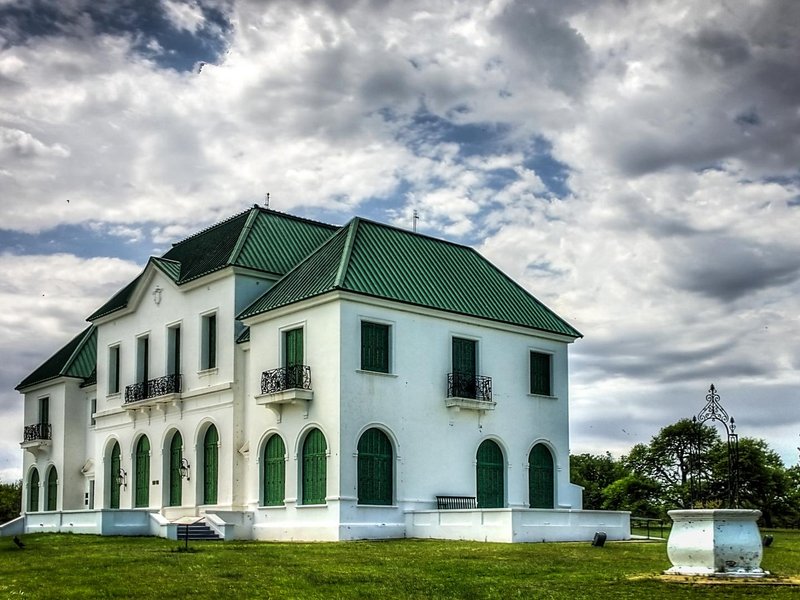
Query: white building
x: 286, y: 379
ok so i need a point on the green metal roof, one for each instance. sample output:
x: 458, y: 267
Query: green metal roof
x: 259, y: 239
x: 76, y: 359
x: 377, y: 260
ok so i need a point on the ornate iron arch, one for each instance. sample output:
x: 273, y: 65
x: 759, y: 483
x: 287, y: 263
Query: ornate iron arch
x: 714, y: 411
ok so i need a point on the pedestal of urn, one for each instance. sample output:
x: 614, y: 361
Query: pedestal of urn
x: 715, y: 542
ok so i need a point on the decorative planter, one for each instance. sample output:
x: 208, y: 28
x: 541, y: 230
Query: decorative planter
x: 720, y: 542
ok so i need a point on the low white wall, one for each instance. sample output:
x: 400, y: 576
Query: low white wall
x: 517, y: 525
x: 13, y: 527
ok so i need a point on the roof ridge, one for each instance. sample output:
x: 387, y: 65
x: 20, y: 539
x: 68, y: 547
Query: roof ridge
x: 344, y: 261
x: 295, y: 217
x: 212, y: 226
x: 413, y: 233
x: 248, y: 227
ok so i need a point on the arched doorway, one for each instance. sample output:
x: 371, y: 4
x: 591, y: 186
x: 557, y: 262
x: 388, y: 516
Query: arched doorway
x: 315, y: 473
x: 489, y: 475
x: 175, y: 480
x: 33, y: 491
x: 374, y: 468
x: 540, y: 477
x: 114, y: 477
x: 52, y: 489
x: 274, y: 471
x: 210, y: 465
x: 142, y: 480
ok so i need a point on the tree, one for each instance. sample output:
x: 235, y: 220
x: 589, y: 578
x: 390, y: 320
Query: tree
x: 594, y: 472
x: 637, y: 494
x: 10, y: 500
x: 670, y: 458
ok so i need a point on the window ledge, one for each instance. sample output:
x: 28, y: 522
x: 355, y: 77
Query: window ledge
x: 271, y: 506
x: 543, y: 396
x: 113, y: 396
x: 207, y: 372
x: 301, y: 506
x: 377, y: 506
x: 379, y: 373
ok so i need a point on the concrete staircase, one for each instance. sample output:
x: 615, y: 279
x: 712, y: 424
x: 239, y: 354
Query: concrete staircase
x: 197, y: 531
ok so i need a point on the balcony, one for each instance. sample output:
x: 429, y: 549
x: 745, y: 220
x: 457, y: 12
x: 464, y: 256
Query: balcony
x: 153, y: 391
x: 287, y: 385
x: 37, y: 436
x: 469, y: 391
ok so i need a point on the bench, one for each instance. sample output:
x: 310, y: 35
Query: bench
x: 456, y: 502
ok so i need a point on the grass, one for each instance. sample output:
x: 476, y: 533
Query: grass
x: 83, y: 566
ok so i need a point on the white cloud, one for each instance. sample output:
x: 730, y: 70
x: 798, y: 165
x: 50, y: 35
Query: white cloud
x: 185, y: 14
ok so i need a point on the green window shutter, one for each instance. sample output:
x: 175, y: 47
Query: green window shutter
x: 375, y: 468
x: 540, y: 477
x: 464, y: 368
x: 33, y: 491
x: 44, y: 410
x: 274, y: 472
x: 113, y: 477
x: 374, y: 347
x: 210, y: 465
x: 540, y: 374
x: 293, y: 357
x: 52, y: 489
x: 490, y: 475
x: 142, y: 479
x: 175, y: 481
x: 212, y: 341
x: 315, y: 476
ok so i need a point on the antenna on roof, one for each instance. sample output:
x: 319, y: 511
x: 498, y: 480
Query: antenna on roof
x: 415, y: 218
x: 266, y: 200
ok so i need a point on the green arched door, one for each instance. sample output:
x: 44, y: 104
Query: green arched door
x: 374, y: 468
x: 142, y: 482
x: 489, y: 476
x: 274, y: 471
x: 210, y: 465
x: 540, y: 477
x: 175, y: 481
x: 33, y: 491
x: 52, y: 489
x: 113, y: 477
x: 315, y: 474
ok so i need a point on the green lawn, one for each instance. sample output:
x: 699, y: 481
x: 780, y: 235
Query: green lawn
x: 83, y: 566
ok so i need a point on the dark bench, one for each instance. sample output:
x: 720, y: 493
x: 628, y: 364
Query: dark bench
x: 455, y: 502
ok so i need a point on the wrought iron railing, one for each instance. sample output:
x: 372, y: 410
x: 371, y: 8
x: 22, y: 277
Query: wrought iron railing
x: 286, y: 378
x: 152, y: 388
x: 466, y: 385
x: 38, y: 431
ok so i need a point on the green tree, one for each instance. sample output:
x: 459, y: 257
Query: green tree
x: 670, y: 458
x: 637, y: 494
x: 10, y: 500
x: 594, y: 472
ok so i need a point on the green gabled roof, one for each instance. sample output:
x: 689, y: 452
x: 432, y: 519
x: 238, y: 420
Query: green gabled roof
x: 244, y: 336
x: 259, y: 239
x: 377, y: 260
x: 76, y: 359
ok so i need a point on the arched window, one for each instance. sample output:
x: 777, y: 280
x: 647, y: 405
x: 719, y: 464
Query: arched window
x: 540, y: 477
x: 114, y: 478
x: 374, y: 468
x: 52, y: 489
x: 210, y: 465
x: 274, y: 472
x: 142, y: 482
x: 33, y: 491
x: 175, y: 481
x: 489, y: 476
x: 315, y: 475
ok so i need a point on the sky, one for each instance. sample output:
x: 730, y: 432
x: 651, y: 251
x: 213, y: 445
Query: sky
x: 633, y: 164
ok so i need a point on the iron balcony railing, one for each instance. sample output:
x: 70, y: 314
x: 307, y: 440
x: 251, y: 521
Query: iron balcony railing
x: 38, y: 431
x: 152, y: 388
x: 467, y: 385
x: 286, y: 378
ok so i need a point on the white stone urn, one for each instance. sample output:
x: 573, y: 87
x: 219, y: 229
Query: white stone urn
x: 720, y: 542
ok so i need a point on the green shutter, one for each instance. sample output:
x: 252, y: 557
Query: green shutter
x: 464, y: 368
x: 175, y: 481
x: 315, y: 476
x: 113, y: 477
x: 210, y: 465
x: 52, y: 489
x: 33, y: 491
x: 274, y: 472
x: 142, y: 479
x: 374, y: 347
x: 44, y: 411
x: 212, y: 342
x: 540, y: 477
x: 374, y: 468
x: 489, y: 476
x: 293, y: 357
x: 540, y: 374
